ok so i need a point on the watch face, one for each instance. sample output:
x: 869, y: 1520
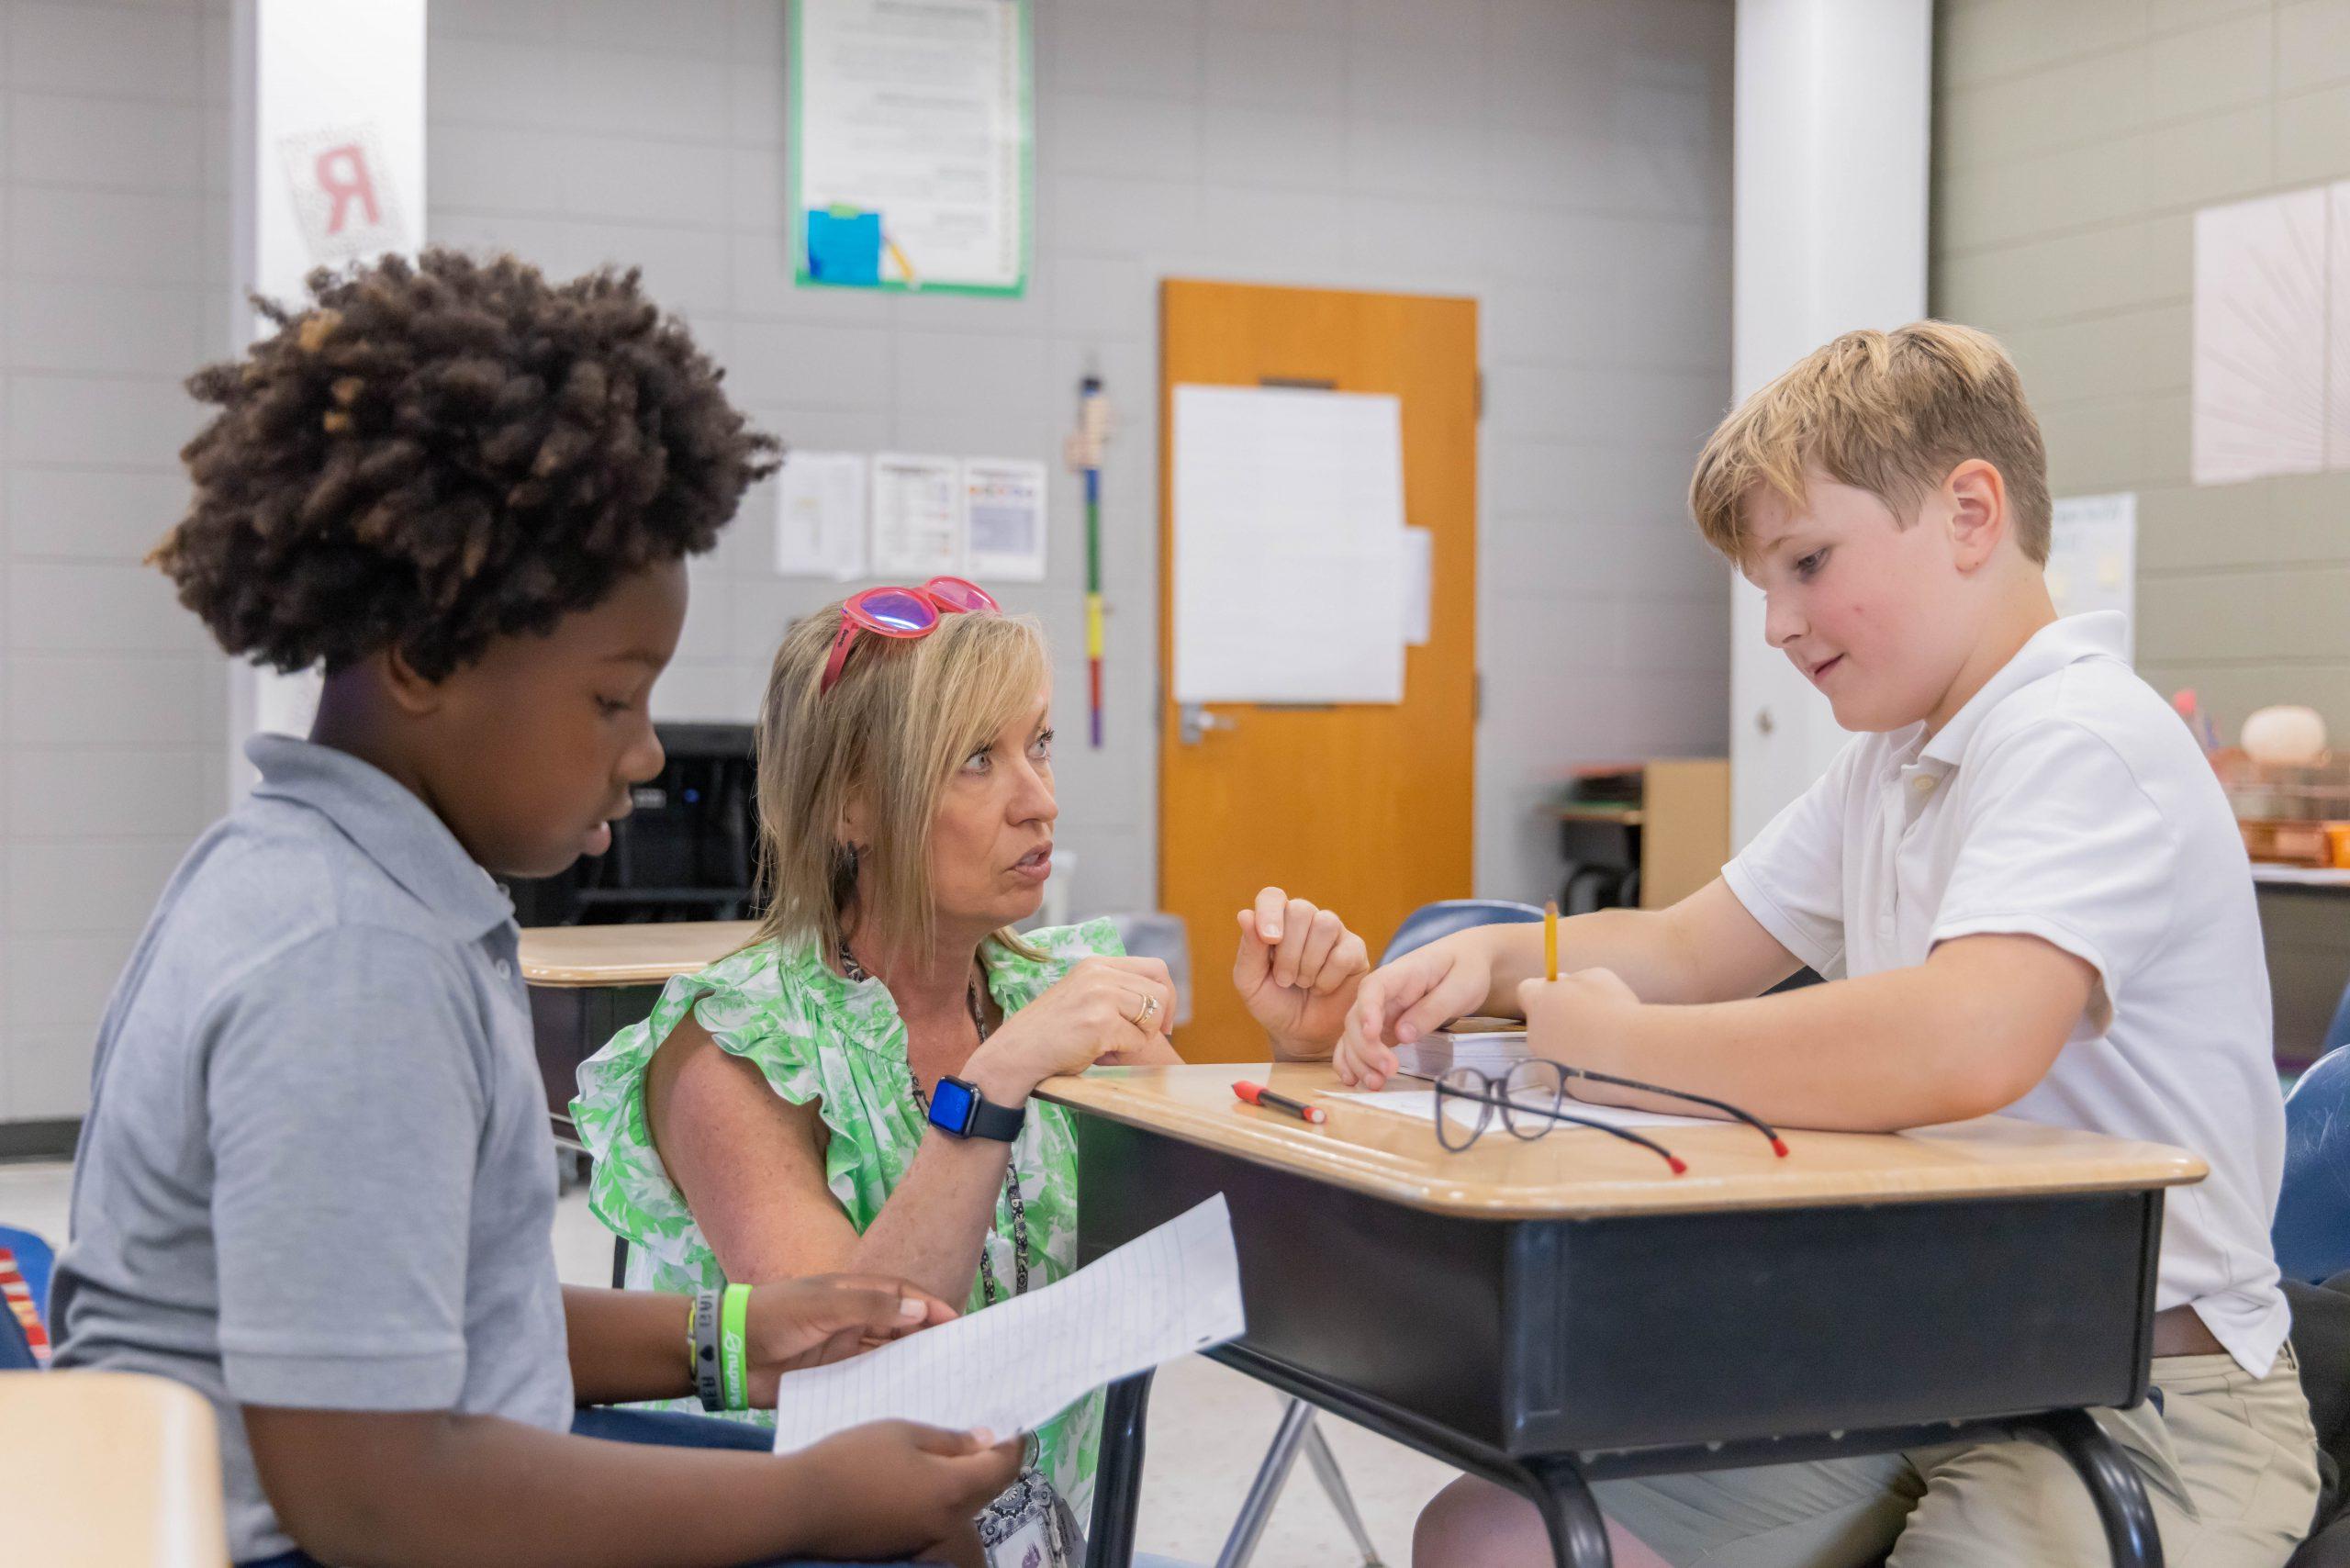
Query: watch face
x: 950, y: 1106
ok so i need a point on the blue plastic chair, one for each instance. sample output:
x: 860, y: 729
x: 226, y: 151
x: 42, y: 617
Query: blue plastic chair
x: 2311, y: 1234
x: 1445, y: 916
x: 35, y: 1261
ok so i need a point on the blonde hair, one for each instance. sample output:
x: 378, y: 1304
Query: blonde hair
x: 891, y: 733
x: 1891, y: 414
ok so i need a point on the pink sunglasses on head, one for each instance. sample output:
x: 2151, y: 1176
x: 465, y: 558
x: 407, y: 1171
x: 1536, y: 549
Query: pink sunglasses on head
x: 902, y: 612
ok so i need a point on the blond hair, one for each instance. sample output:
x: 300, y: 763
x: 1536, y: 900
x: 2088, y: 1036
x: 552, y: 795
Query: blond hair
x: 1891, y: 414
x: 904, y: 716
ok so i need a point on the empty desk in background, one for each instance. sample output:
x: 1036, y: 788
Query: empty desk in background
x: 589, y: 982
x: 2305, y: 928
x: 1547, y: 1313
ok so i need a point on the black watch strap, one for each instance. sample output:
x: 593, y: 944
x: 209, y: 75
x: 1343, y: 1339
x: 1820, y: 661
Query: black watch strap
x: 1002, y: 1123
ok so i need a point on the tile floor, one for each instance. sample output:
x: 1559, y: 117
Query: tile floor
x: 1208, y: 1426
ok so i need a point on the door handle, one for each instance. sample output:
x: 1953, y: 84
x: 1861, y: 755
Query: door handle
x: 1193, y: 722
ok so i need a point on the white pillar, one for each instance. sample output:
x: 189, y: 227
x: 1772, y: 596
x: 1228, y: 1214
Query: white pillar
x: 329, y: 121
x: 1834, y: 99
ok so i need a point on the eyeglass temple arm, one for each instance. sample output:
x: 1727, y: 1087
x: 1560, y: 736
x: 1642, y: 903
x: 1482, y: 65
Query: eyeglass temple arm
x: 1778, y: 1144
x: 1627, y: 1134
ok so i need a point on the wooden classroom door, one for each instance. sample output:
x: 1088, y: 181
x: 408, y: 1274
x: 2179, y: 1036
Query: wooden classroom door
x: 1364, y: 809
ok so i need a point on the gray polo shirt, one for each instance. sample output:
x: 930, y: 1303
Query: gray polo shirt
x: 317, y: 1168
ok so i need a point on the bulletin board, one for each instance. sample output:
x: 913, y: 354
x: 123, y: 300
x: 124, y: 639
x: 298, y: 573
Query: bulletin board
x: 911, y: 145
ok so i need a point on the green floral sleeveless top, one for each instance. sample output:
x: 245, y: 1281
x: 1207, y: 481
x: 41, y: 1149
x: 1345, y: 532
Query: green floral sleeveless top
x: 817, y: 1037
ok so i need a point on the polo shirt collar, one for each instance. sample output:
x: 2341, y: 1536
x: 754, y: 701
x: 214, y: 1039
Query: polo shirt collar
x: 2061, y: 643
x: 388, y: 824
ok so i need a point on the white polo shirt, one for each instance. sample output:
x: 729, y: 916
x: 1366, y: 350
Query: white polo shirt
x: 2067, y: 801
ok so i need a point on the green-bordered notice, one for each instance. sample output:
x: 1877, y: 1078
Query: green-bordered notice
x: 911, y: 145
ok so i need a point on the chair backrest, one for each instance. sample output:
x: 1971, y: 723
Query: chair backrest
x: 2312, y: 1233
x: 26, y: 1262
x: 1445, y: 916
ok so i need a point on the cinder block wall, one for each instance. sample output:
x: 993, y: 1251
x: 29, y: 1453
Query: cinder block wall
x: 1565, y: 160
x: 2073, y: 144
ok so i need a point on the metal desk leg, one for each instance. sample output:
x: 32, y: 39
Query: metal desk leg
x: 1334, y: 1483
x: 1117, y: 1478
x: 1297, y: 1420
x: 2113, y: 1484
x: 1578, y: 1535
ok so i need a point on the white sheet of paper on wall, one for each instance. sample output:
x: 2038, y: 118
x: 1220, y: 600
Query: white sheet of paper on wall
x: 917, y: 516
x: 1420, y: 585
x: 1003, y: 517
x: 2093, y: 557
x: 820, y: 524
x: 2261, y: 357
x: 1288, y: 545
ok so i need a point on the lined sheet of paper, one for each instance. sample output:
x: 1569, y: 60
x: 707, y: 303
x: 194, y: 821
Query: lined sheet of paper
x: 1421, y: 1106
x: 1018, y: 1365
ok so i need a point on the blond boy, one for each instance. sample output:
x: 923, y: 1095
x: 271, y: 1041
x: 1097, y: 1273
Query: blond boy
x: 2026, y: 895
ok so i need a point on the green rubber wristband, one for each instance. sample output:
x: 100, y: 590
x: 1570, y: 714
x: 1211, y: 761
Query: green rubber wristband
x: 733, y: 1349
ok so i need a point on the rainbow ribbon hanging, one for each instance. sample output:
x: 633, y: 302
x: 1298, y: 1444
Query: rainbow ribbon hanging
x: 1085, y: 455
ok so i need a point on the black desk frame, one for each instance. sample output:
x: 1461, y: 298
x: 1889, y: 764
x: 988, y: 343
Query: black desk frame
x: 1721, y: 1339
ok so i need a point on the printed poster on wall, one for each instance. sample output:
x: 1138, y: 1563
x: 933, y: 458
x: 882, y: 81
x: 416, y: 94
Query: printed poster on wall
x: 1003, y: 517
x: 911, y: 143
x: 917, y: 516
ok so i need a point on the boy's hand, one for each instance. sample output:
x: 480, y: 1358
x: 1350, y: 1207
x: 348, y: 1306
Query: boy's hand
x: 1297, y: 969
x: 895, y: 1489
x: 807, y: 1322
x: 1586, y: 1014
x: 1398, y: 1002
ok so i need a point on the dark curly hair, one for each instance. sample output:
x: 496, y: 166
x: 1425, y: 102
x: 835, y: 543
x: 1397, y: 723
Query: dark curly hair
x: 444, y: 451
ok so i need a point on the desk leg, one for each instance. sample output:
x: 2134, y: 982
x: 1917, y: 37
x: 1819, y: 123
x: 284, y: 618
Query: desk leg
x: 1117, y: 1477
x: 2113, y: 1484
x: 1578, y: 1536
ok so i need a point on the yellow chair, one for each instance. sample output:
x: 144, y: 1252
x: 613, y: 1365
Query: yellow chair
x: 108, y: 1470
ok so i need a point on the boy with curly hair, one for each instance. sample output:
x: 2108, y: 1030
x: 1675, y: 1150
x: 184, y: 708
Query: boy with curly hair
x: 315, y: 1182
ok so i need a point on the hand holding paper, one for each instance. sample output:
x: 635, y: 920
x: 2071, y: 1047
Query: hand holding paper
x: 1015, y: 1366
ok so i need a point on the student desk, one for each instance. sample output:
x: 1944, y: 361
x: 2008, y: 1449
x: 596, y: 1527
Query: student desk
x: 587, y: 982
x: 2308, y: 943
x: 1545, y: 1313
x: 108, y: 1470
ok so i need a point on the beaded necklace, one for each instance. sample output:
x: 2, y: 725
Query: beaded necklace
x: 989, y: 1290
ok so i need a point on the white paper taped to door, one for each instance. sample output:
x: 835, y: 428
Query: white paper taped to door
x: 1289, y: 545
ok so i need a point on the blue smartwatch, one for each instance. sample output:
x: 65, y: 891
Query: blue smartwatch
x: 957, y: 1107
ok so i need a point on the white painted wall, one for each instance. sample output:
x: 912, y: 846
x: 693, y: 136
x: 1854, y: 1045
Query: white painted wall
x: 1833, y: 106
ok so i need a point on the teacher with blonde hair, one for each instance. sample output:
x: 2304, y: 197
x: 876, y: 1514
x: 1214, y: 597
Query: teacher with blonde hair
x: 851, y: 1092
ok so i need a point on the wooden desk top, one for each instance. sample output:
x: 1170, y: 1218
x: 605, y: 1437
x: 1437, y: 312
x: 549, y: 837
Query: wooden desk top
x: 1576, y: 1173
x: 112, y: 1470
x: 628, y: 955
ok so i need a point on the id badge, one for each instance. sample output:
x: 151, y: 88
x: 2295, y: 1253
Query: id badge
x: 1023, y: 1529
x: 1030, y: 1545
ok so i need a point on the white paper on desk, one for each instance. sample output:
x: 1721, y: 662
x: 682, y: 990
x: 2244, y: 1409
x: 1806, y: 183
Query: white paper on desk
x: 1289, y: 545
x: 1015, y: 1366
x: 1421, y: 1107
x: 820, y: 516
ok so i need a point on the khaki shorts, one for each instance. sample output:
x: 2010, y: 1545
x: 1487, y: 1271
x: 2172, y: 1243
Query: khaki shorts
x: 2230, y: 1463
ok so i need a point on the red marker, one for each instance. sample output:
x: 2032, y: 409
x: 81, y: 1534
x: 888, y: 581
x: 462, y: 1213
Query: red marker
x: 1258, y: 1095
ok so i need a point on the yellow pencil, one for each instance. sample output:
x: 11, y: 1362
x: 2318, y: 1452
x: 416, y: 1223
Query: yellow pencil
x: 1551, y: 936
